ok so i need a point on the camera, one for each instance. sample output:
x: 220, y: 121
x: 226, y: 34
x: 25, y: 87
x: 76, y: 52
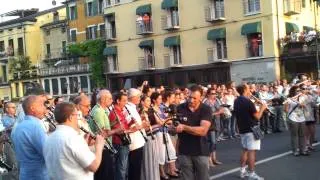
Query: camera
x: 176, y: 117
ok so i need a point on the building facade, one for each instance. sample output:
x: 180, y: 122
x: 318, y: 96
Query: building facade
x: 178, y: 42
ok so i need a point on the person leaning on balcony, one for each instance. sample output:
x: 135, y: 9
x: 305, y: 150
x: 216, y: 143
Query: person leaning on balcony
x: 255, y: 46
x: 146, y: 22
x: 140, y: 23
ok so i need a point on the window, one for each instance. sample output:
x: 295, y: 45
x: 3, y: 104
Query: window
x: 303, y: 3
x: 171, y: 19
x: 47, y: 32
x: 251, y: 6
x: 108, y: 3
x: 91, y: 32
x: 10, y: 49
x: 148, y: 57
x: 84, y: 83
x: 89, y: 9
x: 48, y: 51
x: 110, y: 27
x: 47, y: 85
x: 2, y: 46
x: 112, y: 63
x: 64, y: 47
x: 102, y: 29
x: 4, y: 73
x: 20, y: 46
x: 72, y: 12
x: 74, y: 85
x: 63, y: 29
x: 100, y: 7
x: 64, y: 85
x: 73, y: 35
x: 55, y: 87
x: 55, y: 16
x: 254, y: 47
x: 175, y: 55
x: 221, y: 48
x: 117, y: 1
x: 17, y: 90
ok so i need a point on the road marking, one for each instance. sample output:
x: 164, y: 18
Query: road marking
x: 231, y: 171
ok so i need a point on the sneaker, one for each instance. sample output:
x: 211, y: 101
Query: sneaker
x: 254, y: 176
x: 244, y: 174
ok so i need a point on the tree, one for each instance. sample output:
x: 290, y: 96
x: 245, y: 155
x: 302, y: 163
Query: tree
x: 20, y: 63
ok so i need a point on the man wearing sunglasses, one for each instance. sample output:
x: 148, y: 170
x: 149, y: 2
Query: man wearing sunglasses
x: 9, y: 118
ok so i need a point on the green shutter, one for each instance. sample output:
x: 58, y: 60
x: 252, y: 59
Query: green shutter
x: 67, y: 11
x: 76, y: 12
x: 291, y: 27
x: 146, y: 44
x: 108, y: 51
x: 145, y: 9
x: 172, y: 41
x: 95, y: 7
x: 168, y: 4
x: 251, y: 28
x: 86, y: 9
x: 216, y: 34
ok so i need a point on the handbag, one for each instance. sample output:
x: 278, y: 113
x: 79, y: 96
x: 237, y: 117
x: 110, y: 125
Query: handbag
x: 257, y: 132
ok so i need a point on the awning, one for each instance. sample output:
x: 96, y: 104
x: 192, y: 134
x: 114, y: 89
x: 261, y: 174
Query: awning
x: 167, y: 4
x: 308, y: 28
x: 291, y: 27
x: 216, y: 34
x: 146, y: 43
x: 251, y: 28
x: 110, y: 51
x: 145, y: 9
x: 172, y: 41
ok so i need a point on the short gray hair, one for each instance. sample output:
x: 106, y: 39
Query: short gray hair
x: 26, y: 104
x: 132, y: 92
x: 102, y: 93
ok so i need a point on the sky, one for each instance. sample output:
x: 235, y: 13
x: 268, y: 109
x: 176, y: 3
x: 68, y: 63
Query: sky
x: 11, y: 5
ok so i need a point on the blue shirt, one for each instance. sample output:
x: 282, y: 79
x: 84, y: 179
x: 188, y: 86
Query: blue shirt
x: 8, y: 121
x: 29, y: 138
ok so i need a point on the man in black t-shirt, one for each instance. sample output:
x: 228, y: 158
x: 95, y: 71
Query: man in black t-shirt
x: 247, y: 116
x: 193, y: 143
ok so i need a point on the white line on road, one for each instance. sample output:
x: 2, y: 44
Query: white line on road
x: 231, y: 171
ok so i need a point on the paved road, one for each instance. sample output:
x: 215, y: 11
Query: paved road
x: 282, y: 166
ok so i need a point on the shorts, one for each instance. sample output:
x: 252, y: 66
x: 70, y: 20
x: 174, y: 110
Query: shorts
x: 248, y: 142
x: 308, y: 123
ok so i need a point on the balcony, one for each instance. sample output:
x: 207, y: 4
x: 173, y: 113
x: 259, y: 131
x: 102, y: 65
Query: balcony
x: 144, y: 28
x: 111, y: 68
x: 217, y: 55
x: 110, y: 34
x: 28, y: 74
x: 59, y: 54
x: 147, y: 63
x: 292, y: 7
x: 214, y: 14
x: 170, y: 21
x: 254, y: 51
x: 67, y: 69
x: 172, y: 61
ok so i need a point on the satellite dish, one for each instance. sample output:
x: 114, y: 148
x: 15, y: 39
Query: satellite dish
x: 54, y: 2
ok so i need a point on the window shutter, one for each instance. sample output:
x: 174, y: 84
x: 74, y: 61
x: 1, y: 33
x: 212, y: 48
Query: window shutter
x: 257, y: 5
x: 68, y: 13
x: 95, y: 32
x: 245, y: 6
x: 95, y: 7
x: 87, y: 33
x: 86, y: 9
x: 75, y: 12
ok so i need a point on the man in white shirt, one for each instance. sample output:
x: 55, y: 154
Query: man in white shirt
x: 67, y: 154
x: 137, y: 139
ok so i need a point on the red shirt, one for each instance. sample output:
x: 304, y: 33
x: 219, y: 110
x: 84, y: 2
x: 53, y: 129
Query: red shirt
x: 122, y: 115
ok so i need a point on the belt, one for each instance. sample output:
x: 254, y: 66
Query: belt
x: 153, y: 132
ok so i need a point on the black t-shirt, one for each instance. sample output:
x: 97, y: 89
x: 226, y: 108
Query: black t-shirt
x: 191, y: 145
x: 244, y: 110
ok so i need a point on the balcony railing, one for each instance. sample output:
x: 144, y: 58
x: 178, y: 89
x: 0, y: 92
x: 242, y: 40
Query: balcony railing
x: 110, y: 34
x: 254, y: 51
x: 292, y: 7
x: 170, y: 21
x: 217, y: 54
x: 214, y: 13
x: 299, y: 48
x: 144, y: 27
x: 172, y: 61
x: 28, y: 74
x: 75, y: 68
x: 147, y: 63
x: 55, y: 55
x: 110, y: 68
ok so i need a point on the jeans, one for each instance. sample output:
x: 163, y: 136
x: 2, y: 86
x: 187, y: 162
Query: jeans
x: 233, y: 124
x: 297, y: 136
x: 121, y: 162
x: 194, y: 167
x: 264, y: 123
x: 278, y: 118
x: 227, y: 126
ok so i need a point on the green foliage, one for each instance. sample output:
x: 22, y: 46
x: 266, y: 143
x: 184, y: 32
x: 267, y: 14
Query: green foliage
x: 94, y: 50
x: 20, y: 63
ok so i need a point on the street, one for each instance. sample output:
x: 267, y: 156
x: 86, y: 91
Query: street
x: 274, y: 161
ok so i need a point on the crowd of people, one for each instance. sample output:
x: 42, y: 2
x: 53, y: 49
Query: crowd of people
x: 152, y: 133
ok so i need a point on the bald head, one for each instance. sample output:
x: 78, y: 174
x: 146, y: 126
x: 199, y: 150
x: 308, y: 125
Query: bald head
x: 34, y: 106
x: 104, y: 98
x: 82, y: 103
